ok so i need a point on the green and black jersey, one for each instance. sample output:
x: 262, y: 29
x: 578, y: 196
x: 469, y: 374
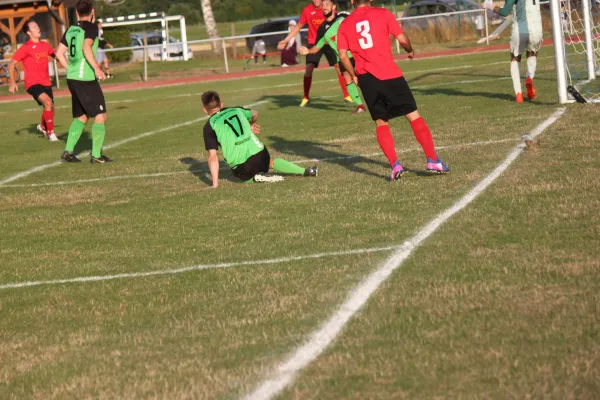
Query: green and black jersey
x: 79, y: 68
x: 328, y: 34
x: 230, y: 128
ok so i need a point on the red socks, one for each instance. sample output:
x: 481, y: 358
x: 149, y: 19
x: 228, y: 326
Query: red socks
x: 307, y: 83
x: 48, y: 121
x: 423, y: 136
x: 343, y: 85
x: 386, y: 142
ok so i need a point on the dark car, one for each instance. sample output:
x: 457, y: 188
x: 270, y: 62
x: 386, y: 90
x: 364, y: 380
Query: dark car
x: 433, y: 7
x: 273, y: 25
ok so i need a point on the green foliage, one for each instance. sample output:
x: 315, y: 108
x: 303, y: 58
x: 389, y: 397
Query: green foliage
x: 118, y: 37
x: 192, y: 16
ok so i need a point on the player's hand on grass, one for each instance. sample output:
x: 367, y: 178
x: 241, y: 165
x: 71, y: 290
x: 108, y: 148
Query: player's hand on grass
x: 13, y: 88
x: 411, y: 54
x: 100, y: 74
x: 303, y: 50
x: 255, y: 128
x: 215, y: 185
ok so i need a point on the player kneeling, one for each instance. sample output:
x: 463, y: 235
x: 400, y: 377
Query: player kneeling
x: 235, y: 130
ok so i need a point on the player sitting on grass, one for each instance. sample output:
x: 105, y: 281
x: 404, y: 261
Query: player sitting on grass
x: 235, y: 130
x: 329, y: 37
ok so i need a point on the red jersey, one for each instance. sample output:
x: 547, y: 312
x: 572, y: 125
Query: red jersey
x: 366, y: 33
x: 314, y: 17
x: 35, y: 58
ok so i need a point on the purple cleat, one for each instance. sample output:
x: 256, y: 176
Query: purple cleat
x: 437, y: 166
x: 397, y: 172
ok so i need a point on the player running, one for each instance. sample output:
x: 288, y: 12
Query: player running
x: 313, y: 16
x: 35, y: 55
x: 328, y: 32
x: 234, y: 130
x: 526, y: 37
x: 366, y: 33
x: 81, y: 43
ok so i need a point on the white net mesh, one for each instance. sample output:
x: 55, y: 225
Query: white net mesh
x: 576, y: 53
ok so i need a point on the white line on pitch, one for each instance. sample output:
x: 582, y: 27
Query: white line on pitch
x: 160, y: 174
x: 111, y: 146
x: 320, y: 339
x: 163, y: 272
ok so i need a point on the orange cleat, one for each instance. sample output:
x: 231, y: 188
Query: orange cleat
x: 530, y: 88
x: 519, y: 98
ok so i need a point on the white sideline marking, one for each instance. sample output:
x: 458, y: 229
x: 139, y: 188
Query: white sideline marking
x: 201, y: 267
x: 321, y: 338
x: 111, y: 146
x: 159, y: 174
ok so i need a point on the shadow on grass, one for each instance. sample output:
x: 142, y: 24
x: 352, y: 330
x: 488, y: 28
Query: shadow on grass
x: 200, y: 170
x: 84, y: 143
x: 287, y: 100
x: 313, y: 150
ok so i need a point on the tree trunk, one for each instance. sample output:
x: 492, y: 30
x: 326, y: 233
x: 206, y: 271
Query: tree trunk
x: 211, y: 25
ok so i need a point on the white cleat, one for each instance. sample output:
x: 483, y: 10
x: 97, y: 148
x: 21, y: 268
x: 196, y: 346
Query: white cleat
x: 260, y: 178
x: 53, y: 137
x: 40, y: 129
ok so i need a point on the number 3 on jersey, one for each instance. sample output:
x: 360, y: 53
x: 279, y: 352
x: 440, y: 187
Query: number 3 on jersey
x: 366, y: 41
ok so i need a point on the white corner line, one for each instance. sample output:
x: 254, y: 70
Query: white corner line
x: 162, y: 272
x: 320, y: 339
x: 112, y: 146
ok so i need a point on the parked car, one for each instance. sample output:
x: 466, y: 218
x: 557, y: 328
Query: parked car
x: 432, y: 7
x: 174, y: 47
x: 273, y: 25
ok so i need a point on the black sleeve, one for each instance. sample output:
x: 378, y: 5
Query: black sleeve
x: 210, y: 138
x: 91, y: 31
x: 64, y: 39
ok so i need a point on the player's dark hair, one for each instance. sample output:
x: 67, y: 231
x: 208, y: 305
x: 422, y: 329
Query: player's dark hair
x: 84, y: 7
x: 26, y: 26
x: 211, y: 100
x: 334, y: 2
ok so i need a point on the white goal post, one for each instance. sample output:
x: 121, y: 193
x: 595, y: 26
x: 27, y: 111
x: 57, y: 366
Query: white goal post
x: 576, y: 38
x: 155, y: 17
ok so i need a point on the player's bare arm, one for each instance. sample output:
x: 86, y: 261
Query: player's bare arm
x: 406, y: 45
x: 61, y: 52
x: 304, y: 51
x: 281, y: 45
x: 213, y: 165
x: 12, y: 84
x: 89, y: 56
x: 345, y: 60
x: 504, y: 11
x: 254, y: 124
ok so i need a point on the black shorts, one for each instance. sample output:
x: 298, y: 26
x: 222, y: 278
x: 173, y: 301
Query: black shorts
x: 316, y: 58
x: 36, y: 90
x: 87, y: 98
x: 386, y: 99
x: 257, y: 163
x: 343, y: 69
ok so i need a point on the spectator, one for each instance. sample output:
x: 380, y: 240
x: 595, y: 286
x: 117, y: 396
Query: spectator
x: 101, y: 56
x: 260, y: 48
x: 289, y: 54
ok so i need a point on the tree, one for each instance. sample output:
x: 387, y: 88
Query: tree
x: 211, y: 25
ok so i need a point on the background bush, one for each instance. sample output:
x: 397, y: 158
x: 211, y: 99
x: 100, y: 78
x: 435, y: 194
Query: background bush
x: 192, y: 16
x: 118, y: 37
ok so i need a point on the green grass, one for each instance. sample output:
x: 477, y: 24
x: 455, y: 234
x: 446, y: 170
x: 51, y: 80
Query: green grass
x: 501, y: 302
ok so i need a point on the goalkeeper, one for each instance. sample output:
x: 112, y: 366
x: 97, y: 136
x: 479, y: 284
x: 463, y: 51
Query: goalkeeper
x: 234, y: 130
x: 328, y: 34
x: 526, y: 38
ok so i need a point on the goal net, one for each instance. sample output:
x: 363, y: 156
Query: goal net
x: 580, y: 33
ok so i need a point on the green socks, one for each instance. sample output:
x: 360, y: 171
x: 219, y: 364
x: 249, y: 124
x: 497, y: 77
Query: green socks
x: 287, y: 167
x: 353, y: 91
x: 98, y: 133
x: 75, y: 132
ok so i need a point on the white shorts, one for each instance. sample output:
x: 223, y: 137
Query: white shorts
x: 525, y: 41
x: 101, y: 56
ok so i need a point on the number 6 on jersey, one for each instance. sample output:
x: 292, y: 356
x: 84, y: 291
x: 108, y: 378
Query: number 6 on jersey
x: 366, y: 41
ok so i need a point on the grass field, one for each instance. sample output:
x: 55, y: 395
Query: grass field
x: 501, y: 302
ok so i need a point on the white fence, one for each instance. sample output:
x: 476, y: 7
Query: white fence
x: 471, y: 15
